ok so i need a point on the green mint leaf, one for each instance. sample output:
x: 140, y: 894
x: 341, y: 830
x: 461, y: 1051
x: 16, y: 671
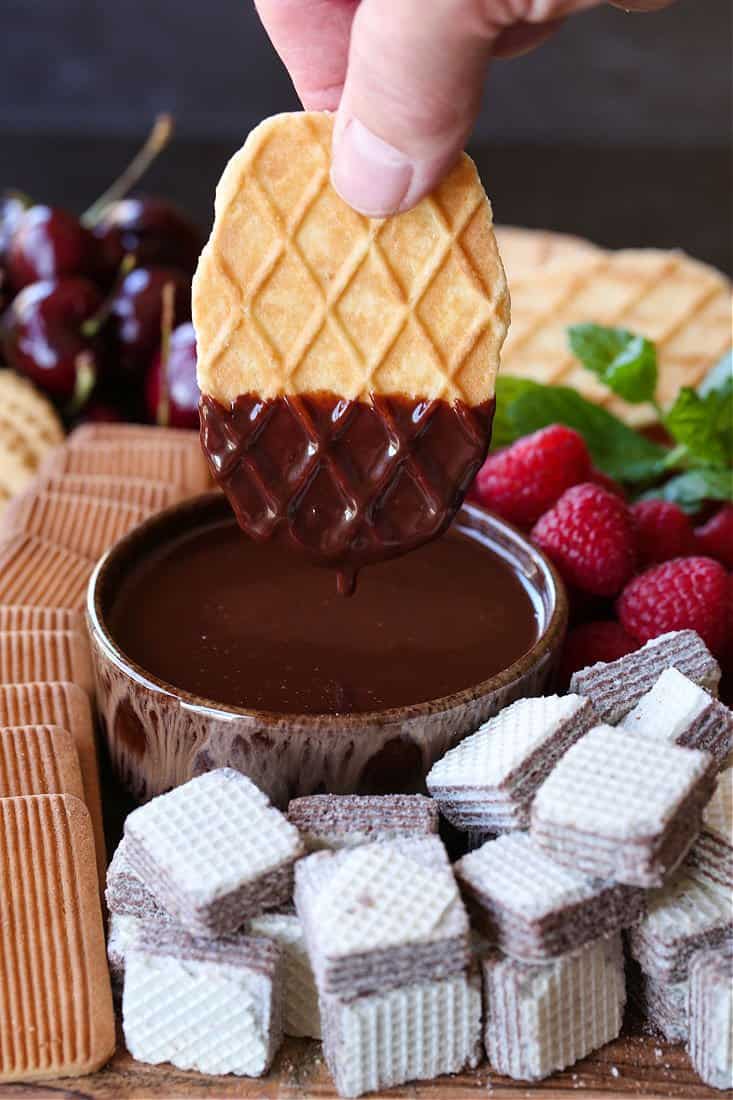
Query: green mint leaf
x: 524, y: 406
x: 699, y: 424
x: 694, y: 488
x: 624, y: 361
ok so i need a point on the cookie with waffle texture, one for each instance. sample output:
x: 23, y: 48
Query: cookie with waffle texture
x: 347, y: 820
x: 346, y: 363
x: 487, y: 782
x: 615, y: 687
x: 680, y: 711
x: 623, y: 807
x: 535, y: 909
x: 301, y: 1012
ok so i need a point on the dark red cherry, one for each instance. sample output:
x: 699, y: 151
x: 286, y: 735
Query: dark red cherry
x: 49, y: 243
x: 136, y: 312
x: 43, y: 337
x: 171, y: 390
x: 155, y: 231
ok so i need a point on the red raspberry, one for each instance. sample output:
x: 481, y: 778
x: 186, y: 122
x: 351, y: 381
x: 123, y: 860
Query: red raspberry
x: 591, y: 642
x: 524, y: 480
x: 683, y: 594
x: 589, y: 535
x: 663, y: 531
x: 715, y: 538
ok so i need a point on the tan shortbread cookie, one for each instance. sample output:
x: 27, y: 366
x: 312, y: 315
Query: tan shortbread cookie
x: 15, y: 476
x: 86, y: 525
x: 526, y: 251
x: 39, y: 760
x: 178, y: 462
x: 140, y: 492
x: 296, y: 293
x: 130, y: 433
x: 56, y: 1015
x: 27, y: 656
x: 22, y: 616
x: 68, y: 706
x: 35, y: 571
x: 683, y: 305
x: 26, y: 405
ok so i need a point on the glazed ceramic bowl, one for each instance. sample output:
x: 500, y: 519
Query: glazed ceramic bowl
x: 160, y: 736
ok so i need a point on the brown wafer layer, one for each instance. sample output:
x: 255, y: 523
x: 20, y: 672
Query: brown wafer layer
x: 28, y: 617
x: 30, y: 655
x: 65, y: 705
x: 138, y: 492
x: 39, y: 760
x: 56, y: 1016
x: 176, y: 463
x: 34, y: 571
x: 85, y: 525
x: 340, y: 821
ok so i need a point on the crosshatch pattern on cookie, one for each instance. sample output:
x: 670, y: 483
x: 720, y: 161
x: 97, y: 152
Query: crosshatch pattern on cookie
x: 290, y: 238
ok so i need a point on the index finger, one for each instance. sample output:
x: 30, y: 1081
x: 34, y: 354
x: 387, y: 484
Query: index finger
x: 312, y: 39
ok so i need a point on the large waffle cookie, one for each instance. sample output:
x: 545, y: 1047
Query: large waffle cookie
x: 29, y: 427
x: 682, y: 305
x: 347, y: 363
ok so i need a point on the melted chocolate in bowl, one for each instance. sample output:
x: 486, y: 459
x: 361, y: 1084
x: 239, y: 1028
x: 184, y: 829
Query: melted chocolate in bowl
x: 346, y: 482
x: 253, y: 625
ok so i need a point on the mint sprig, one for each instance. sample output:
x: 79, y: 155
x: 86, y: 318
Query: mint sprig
x: 624, y: 361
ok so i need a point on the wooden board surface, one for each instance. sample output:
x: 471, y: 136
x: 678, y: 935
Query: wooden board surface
x: 632, y: 1066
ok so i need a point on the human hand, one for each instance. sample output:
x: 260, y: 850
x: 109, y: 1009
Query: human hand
x: 405, y: 77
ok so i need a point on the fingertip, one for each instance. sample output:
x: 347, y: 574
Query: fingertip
x: 367, y: 172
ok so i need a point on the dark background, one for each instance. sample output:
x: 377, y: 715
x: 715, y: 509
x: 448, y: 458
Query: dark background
x: 618, y: 129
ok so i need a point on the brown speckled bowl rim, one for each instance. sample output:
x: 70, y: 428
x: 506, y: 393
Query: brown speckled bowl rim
x: 549, y: 639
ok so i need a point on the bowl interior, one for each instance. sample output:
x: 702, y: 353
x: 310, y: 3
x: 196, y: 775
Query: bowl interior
x: 535, y: 572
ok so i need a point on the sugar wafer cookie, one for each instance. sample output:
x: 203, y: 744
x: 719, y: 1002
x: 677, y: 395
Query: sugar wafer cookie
x: 86, y: 525
x: 56, y: 1018
x: 347, y: 364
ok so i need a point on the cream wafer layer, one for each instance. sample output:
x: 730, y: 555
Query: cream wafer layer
x: 34, y: 571
x: 542, y: 1018
x: 711, y: 856
x: 175, y: 463
x: 680, y: 711
x: 711, y: 1017
x: 36, y: 655
x: 301, y: 1014
x: 295, y: 292
x: 136, y: 492
x: 38, y: 760
x: 28, y: 617
x: 65, y: 705
x: 56, y: 1015
x: 85, y: 525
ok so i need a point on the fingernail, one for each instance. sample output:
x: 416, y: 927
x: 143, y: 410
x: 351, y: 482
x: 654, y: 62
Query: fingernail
x: 368, y: 173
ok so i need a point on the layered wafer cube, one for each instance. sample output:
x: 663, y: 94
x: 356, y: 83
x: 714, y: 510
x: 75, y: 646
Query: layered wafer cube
x: 345, y: 821
x: 678, y: 710
x: 710, y: 1009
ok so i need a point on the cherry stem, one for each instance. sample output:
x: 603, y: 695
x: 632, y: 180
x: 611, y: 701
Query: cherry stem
x: 86, y: 377
x: 93, y: 324
x: 166, y: 327
x: 157, y: 140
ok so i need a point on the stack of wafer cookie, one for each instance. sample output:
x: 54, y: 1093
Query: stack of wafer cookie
x: 29, y: 428
x: 683, y: 305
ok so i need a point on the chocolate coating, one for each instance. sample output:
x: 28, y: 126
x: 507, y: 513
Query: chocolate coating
x: 254, y: 625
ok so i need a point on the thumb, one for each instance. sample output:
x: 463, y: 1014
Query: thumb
x: 412, y: 92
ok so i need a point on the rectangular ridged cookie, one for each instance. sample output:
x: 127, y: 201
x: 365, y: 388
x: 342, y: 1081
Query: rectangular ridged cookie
x: 138, y: 492
x: 346, y: 820
x: 34, y: 571
x: 27, y: 656
x: 301, y: 1014
x: 413, y: 1033
x: 65, y: 705
x: 711, y: 856
x: 488, y: 780
x: 28, y: 617
x: 535, y: 909
x: 623, y: 807
x: 226, y: 995
x: 86, y: 525
x: 684, y: 916
x: 56, y: 1016
x: 214, y: 852
x: 178, y: 463
x: 381, y: 916
x: 710, y: 1010
x: 38, y: 760
x: 545, y: 1017
x: 85, y: 434
x: 615, y: 687
x: 680, y: 711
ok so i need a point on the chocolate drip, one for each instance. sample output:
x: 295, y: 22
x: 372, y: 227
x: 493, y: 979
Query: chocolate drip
x: 346, y: 482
